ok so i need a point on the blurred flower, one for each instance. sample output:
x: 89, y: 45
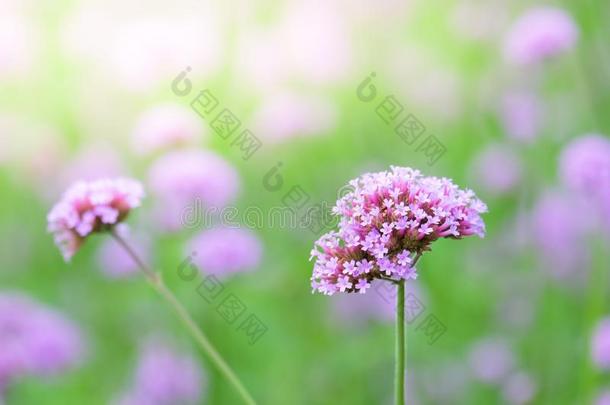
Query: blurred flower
x: 164, y: 376
x: 284, y: 116
x: 559, y: 224
x: 603, y: 398
x: 34, y: 340
x: 600, y: 344
x: 497, y: 169
x: 522, y: 115
x: 387, y: 219
x: 585, y: 164
x: 115, y: 262
x: 519, y: 389
x: 94, y: 161
x: 224, y: 251
x: 540, y: 33
x: 88, y: 207
x: 491, y: 360
x: 182, y: 177
x: 585, y: 168
x: 165, y: 126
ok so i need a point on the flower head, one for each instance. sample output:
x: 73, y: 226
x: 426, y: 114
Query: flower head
x: 165, y: 126
x: 191, y: 176
x: 600, y: 345
x: 89, y: 207
x: 35, y: 340
x: 164, y: 376
x: 389, y: 217
x: 540, y: 33
x: 222, y: 251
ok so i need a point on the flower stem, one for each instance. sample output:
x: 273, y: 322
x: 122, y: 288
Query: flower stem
x: 159, y: 286
x: 401, y: 343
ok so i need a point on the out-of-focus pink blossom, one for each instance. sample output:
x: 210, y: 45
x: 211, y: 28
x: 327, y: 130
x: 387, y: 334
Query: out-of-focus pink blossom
x: 35, y: 340
x: 497, y: 169
x: 603, y: 398
x: 284, y: 116
x: 522, y: 114
x: 559, y: 225
x: 519, y: 389
x: 540, y: 33
x: 181, y: 178
x: 115, y: 262
x: 223, y: 251
x: 165, y: 126
x: 600, y: 344
x: 164, y: 376
x: 89, y: 207
x: 491, y: 360
x: 585, y: 164
x: 93, y: 161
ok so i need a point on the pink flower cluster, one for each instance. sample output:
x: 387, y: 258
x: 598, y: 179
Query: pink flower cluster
x: 89, y: 207
x: 385, y: 221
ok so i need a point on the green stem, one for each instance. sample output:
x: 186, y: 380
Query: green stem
x: 401, y: 344
x: 159, y: 286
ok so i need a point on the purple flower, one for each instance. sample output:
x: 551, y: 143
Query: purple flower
x: 585, y: 164
x: 34, y: 340
x: 223, y: 251
x: 497, y: 169
x: 89, y: 207
x: 115, y: 262
x: 519, y: 389
x: 437, y: 209
x: 560, y: 224
x: 540, y: 33
x: 522, y: 114
x: 491, y: 360
x: 165, y: 126
x: 183, y: 177
x: 600, y: 344
x: 603, y: 398
x: 164, y: 377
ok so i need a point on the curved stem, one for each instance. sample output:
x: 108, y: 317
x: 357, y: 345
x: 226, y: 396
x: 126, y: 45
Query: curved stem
x: 399, y: 382
x: 159, y: 286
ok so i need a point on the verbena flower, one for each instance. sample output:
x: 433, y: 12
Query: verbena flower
x: 164, y: 376
x: 222, y: 251
x: 491, y: 360
x: 186, y: 177
x: 165, y: 126
x: 89, y: 207
x: 519, y: 389
x: 600, y: 344
x: 34, y: 340
x: 540, y: 33
x: 387, y: 219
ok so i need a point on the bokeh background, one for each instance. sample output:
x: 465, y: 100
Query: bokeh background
x: 515, y: 92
